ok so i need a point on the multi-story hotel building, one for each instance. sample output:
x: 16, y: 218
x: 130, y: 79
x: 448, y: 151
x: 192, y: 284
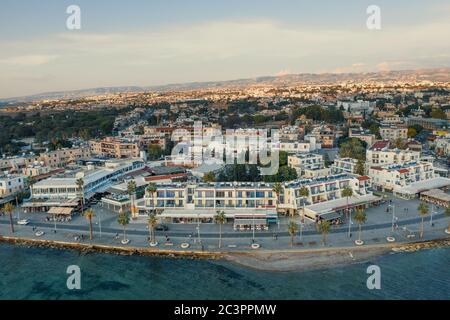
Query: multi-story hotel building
x: 60, y: 188
x: 396, y: 177
x: 381, y: 154
x: 302, y: 161
x: 344, y: 165
x: 115, y: 148
x: 189, y: 201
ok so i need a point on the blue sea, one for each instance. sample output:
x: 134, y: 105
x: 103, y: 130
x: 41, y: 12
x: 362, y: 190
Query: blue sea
x: 40, y: 273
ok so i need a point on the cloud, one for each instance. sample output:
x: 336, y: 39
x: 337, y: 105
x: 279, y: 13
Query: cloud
x: 28, y: 60
x: 218, y: 50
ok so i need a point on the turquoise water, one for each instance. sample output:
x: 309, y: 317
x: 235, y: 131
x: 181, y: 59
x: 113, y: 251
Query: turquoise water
x: 40, y: 273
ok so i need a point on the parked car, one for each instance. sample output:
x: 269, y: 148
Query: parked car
x: 23, y: 222
x: 161, y: 227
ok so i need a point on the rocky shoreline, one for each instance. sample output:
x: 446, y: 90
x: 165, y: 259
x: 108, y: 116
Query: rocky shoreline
x: 263, y: 260
x: 84, y: 248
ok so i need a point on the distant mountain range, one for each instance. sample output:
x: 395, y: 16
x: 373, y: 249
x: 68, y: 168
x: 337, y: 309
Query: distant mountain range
x: 438, y: 74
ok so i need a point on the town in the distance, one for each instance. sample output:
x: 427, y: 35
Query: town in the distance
x: 362, y: 161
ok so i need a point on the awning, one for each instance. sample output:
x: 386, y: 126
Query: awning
x: 329, y: 216
x: 250, y: 222
x: 60, y: 211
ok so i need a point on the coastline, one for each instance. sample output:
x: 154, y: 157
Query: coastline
x: 261, y: 260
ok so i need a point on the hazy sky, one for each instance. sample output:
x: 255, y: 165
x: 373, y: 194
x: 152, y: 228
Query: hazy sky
x: 151, y: 42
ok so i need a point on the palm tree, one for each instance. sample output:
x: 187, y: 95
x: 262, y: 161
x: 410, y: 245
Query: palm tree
x: 304, y: 193
x: 9, y: 208
x: 447, y: 213
x: 292, y: 229
x: 89, y: 214
x: 323, y: 227
x: 31, y: 182
x: 220, y: 219
x: 360, y: 218
x: 152, y: 223
x: 423, y: 211
x: 123, y: 219
x: 131, y: 188
x: 80, y: 185
x: 151, y: 189
x: 348, y: 192
x: 277, y: 188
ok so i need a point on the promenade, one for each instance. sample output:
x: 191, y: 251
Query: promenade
x: 108, y: 232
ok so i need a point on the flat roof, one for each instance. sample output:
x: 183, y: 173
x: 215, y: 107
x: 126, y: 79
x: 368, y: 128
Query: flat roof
x: 333, y: 205
x: 424, y: 185
x: 437, y: 194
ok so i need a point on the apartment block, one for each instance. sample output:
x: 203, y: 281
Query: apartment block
x: 344, y: 165
x: 115, y: 148
x: 11, y: 184
x: 302, y: 161
x: 393, y: 133
x: 381, y: 154
x: 393, y: 177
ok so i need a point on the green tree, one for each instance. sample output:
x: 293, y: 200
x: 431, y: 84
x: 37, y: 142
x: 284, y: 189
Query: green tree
x: 352, y: 148
x: 152, y: 223
x: 423, y: 211
x: 9, y: 209
x: 292, y: 229
x: 220, y: 219
x: 412, y: 132
x: 324, y: 227
x: 359, y: 169
x: 154, y: 152
x: 277, y: 188
x: 89, y: 215
x: 151, y: 189
x: 123, y: 219
x: 80, y: 186
x: 360, y: 218
x: 131, y: 189
x: 209, y: 177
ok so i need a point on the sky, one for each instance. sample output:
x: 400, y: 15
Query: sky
x: 148, y: 42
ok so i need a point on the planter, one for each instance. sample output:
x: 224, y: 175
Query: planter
x: 39, y: 233
x: 447, y: 231
x: 185, y: 245
x: 125, y: 241
x: 255, y: 246
x: 390, y: 239
x: 359, y: 242
x: 153, y: 244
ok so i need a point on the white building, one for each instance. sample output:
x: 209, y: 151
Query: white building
x: 395, y: 177
x: 344, y: 165
x: 361, y: 134
x: 393, y: 133
x: 10, y: 184
x: 302, y: 161
x: 375, y: 157
x: 96, y: 179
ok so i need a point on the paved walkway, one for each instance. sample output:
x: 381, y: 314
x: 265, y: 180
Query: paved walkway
x: 375, y: 231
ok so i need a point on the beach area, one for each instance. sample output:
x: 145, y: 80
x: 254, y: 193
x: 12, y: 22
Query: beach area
x: 262, y: 260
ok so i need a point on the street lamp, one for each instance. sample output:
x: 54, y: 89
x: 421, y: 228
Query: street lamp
x: 431, y: 217
x: 198, y: 229
x: 393, y: 215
